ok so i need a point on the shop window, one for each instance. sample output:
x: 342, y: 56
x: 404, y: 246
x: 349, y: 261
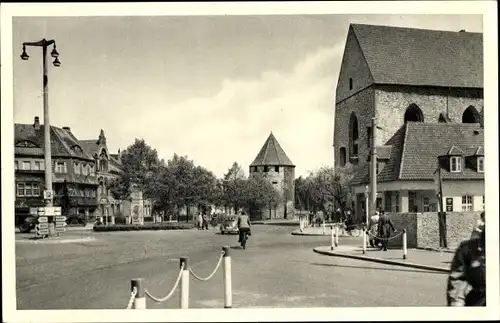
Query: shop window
x: 427, y: 202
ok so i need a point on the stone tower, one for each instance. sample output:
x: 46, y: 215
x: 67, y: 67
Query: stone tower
x: 275, y: 165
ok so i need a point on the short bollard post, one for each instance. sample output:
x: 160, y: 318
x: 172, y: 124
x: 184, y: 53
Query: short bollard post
x: 405, y: 249
x: 140, y: 297
x: 324, y: 229
x: 184, y: 300
x: 228, y: 293
x: 364, y: 241
x: 332, y: 238
x: 337, y: 231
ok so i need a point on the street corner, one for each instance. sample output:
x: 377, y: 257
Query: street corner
x: 55, y: 240
x: 356, y: 252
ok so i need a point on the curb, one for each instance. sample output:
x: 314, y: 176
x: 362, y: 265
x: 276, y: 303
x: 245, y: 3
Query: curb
x: 310, y: 234
x: 382, y: 261
x: 437, y: 250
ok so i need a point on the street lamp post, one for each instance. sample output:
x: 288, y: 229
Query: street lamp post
x: 47, y: 147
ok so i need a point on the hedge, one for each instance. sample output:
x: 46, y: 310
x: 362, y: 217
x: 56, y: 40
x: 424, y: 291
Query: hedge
x: 145, y: 226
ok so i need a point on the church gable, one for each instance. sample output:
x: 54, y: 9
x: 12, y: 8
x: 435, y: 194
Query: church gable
x: 354, y: 71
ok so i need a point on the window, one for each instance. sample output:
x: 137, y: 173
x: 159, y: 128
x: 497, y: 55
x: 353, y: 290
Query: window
x: 20, y: 189
x: 27, y: 190
x: 480, y: 164
x: 466, y: 203
x: 89, y: 170
x: 76, y: 168
x: 36, y: 189
x: 275, y: 182
x: 412, y: 207
x: 470, y: 115
x: 60, y: 167
x: 92, y: 169
x: 342, y: 156
x: 427, y: 202
x: 87, y: 193
x: 93, y: 193
x: 388, y: 201
x: 81, y: 193
x: 26, y: 165
x: 455, y: 164
x: 413, y: 114
x: 353, y: 135
x: 350, y: 83
x: 266, y: 169
x: 84, y: 169
x: 277, y: 169
x: 16, y: 165
x: 37, y: 166
x: 397, y: 204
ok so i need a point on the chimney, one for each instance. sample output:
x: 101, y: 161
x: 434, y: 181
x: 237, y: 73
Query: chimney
x: 68, y: 129
x: 37, y: 123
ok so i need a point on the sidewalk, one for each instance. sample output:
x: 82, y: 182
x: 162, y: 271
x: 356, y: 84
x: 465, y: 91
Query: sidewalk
x: 293, y: 222
x: 416, y: 258
x: 317, y: 231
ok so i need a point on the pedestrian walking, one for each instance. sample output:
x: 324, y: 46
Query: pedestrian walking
x: 385, y: 226
x: 467, y: 279
x: 205, y: 221
x: 200, y: 221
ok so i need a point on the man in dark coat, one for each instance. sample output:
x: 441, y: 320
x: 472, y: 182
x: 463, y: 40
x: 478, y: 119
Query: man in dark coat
x: 385, y: 225
x: 467, y: 279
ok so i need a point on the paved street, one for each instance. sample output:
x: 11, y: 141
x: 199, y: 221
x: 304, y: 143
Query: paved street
x: 276, y: 270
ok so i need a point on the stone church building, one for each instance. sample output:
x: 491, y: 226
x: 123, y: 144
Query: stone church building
x: 273, y: 162
x: 425, y: 88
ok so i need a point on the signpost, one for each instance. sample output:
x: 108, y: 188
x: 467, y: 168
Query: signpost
x: 48, y: 194
x: 43, y: 219
x: 43, y: 228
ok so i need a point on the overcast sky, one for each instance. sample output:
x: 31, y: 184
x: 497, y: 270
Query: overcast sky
x: 211, y: 88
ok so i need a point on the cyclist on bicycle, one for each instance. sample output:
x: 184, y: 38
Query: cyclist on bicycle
x: 243, y: 226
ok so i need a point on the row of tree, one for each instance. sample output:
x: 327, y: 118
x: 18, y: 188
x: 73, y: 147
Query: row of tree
x: 327, y: 190
x: 179, y: 182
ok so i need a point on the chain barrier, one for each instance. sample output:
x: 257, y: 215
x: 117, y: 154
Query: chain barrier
x: 132, y: 298
x: 212, y: 274
x: 160, y: 300
x: 390, y: 238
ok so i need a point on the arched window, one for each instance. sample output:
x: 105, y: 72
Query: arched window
x: 413, y: 113
x: 342, y: 156
x: 470, y: 115
x: 353, y: 135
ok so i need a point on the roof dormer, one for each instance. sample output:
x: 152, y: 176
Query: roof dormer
x: 452, y: 159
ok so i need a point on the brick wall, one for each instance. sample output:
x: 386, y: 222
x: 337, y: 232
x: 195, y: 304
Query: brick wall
x: 423, y: 228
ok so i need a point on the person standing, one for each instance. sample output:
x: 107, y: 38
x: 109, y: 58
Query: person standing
x: 385, y: 227
x: 373, y: 229
x: 467, y: 279
x: 205, y: 221
x: 200, y: 221
x: 478, y: 228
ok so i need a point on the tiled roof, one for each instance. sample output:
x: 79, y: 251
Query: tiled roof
x: 417, y: 146
x: 410, y: 56
x: 90, y: 146
x: 272, y: 154
x: 64, y: 143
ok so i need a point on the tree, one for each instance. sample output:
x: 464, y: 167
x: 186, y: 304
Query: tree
x: 234, y: 187
x: 140, y: 166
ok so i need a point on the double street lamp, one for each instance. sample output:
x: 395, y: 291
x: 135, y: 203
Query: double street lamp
x: 48, y: 195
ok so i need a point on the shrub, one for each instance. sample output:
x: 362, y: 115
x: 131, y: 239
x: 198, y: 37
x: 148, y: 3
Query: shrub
x: 145, y: 226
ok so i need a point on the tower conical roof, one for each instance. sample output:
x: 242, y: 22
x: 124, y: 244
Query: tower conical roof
x: 272, y: 154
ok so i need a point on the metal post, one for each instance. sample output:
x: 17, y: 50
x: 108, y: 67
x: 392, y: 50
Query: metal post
x: 140, y: 297
x: 367, y: 203
x: 46, y: 128
x: 405, y: 250
x: 364, y: 241
x: 332, y: 238
x: 373, y: 204
x: 337, y: 231
x: 228, y: 293
x: 184, y: 299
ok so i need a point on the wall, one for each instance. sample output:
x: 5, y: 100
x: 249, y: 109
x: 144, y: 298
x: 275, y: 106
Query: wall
x: 392, y: 101
x: 362, y: 104
x: 423, y: 228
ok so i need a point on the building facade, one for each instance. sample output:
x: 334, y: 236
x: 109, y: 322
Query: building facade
x: 411, y: 81
x: 279, y: 170
x: 74, y: 180
x: 109, y: 169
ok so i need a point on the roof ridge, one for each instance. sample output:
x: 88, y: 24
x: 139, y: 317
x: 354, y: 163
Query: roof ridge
x: 416, y: 28
x: 64, y: 144
x: 401, y: 163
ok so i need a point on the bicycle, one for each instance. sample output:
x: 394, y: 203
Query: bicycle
x: 244, y: 239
